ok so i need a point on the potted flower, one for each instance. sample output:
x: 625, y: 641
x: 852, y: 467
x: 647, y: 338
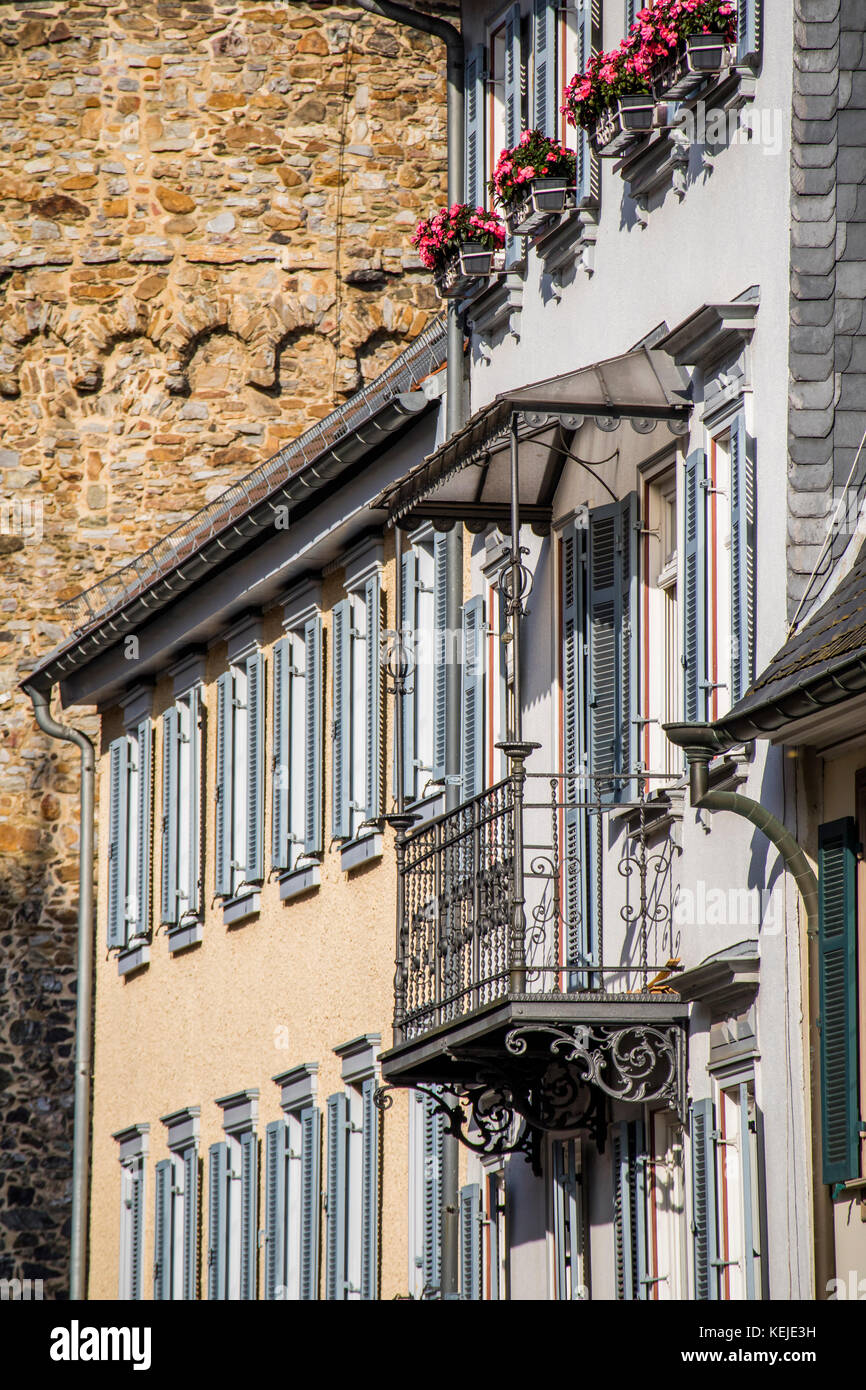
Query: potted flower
x: 697, y: 36
x: 458, y: 244
x: 533, y: 182
x: 613, y: 99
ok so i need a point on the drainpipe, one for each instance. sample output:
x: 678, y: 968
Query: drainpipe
x: 453, y: 41
x: 701, y: 743
x: 84, y: 989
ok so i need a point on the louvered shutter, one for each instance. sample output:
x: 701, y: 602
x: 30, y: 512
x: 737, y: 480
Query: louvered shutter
x: 162, y: 1231
x: 281, y: 743
x: 374, y: 708
x: 624, y: 1217
x: 371, y: 1123
x: 587, y: 163
x: 145, y: 827
x: 196, y: 801
x: 409, y: 593
x: 441, y: 655
x: 627, y: 618
x: 170, y: 812
x: 748, y: 31
x: 342, y: 721
x: 695, y: 581
x: 575, y: 859
x: 546, y: 116
x: 313, y: 736
x: 137, y: 1230
x: 190, y: 1222
x: 640, y: 1236
x: 512, y: 92
x: 311, y: 1150
x: 613, y: 650
x: 249, y: 1213
x: 837, y: 945
x: 223, y: 816
x: 276, y: 1153
x: 470, y: 1241
x: 474, y: 104
x: 567, y: 1221
x: 433, y: 1122
x: 118, y: 813
x: 472, y: 762
x: 335, y: 1255
x: 704, y: 1231
x: 254, y: 870
x: 742, y: 562
x: 630, y: 12
x: 217, y: 1221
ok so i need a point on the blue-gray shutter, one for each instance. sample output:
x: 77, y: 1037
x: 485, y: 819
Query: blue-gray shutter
x: 190, y: 1222
x: 470, y: 1241
x: 311, y: 1151
x: 624, y: 1214
x: 195, y: 819
x: 313, y: 748
x: 544, y: 35
x: 748, y: 31
x: 474, y: 103
x: 643, y: 1286
x: 441, y: 654
x: 249, y: 1213
x: 742, y: 562
x: 281, y: 736
x: 695, y: 582
x: 224, y: 811
x: 342, y: 721
x: 145, y: 826
x: 704, y: 1232
x: 613, y: 650
x: 335, y: 1197
x: 137, y: 1230
x: 371, y: 1122
x: 587, y: 163
x: 373, y: 701
x: 512, y: 92
x: 118, y: 813
x: 630, y: 12
x: 433, y: 1122
x: 409, y: 592
x: 170, y: 812
x: 276, y: 1154
x: 162, y: 1230
x: 472, y: 761
x: 255, y: 867
x: 838, y: 1023
x: 217, y: 1263
x: 629, y: 653
x: 578, y: 933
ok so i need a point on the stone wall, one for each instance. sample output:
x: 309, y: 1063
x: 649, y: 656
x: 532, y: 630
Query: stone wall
x: 205, y: 212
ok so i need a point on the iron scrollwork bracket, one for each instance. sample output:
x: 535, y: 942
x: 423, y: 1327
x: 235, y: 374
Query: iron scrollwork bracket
x: 489, y: 1110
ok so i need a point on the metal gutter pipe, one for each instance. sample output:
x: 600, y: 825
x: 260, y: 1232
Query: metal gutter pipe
x: 41, y: 702
x: 453, y: 40
x: 701, y: 743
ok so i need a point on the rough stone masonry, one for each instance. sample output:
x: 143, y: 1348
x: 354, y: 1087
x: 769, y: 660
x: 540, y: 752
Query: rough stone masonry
x: 205, y: 211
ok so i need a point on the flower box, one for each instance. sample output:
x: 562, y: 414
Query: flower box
x: 472, y: 261
x: 621, y: 124
x: 702, y: 56
x: 545, y: 198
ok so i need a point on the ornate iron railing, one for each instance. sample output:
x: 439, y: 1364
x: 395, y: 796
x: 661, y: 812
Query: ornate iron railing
x: 544, y: 885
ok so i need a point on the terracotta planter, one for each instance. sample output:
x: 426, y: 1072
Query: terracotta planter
x: 543, y: 199
x: 702, y: 56
x: 629, y: 119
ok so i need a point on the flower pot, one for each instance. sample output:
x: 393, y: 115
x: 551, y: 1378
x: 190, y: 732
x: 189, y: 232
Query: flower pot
x: 542, y: 200
x: 470, y: 261
x: 448, y: 279
x: 620, y: 125
x: 475, y: 260
x: 702, y: 56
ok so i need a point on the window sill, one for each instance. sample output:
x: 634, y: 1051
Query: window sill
x: 239, y: 909
x: 298, y: 881
x: 354, y: 853
x: 426, y: 809
x: 184, y: 935
x: 568, y: 245
x: 133, y: 958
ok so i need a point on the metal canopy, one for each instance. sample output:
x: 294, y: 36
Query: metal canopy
x: 468, y: 478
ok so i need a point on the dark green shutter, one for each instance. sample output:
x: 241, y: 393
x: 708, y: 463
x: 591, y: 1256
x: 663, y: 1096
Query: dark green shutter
x: 704, y: 1213
x: 341, y: 741
x: 695, y: 583
x: 118, y: 813
x: 313, y: 736
x: 224, y: 809
x: 470, y: 1241
x: 837, y: 945
x: 311, y: 1153
x: 162, y: 1230
x: 276, y: 1153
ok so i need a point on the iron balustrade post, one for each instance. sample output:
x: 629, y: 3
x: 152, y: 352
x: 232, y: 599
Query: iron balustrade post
x: 517, y: 753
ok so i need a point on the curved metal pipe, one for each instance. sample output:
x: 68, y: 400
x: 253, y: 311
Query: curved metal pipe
x: 41, y: 702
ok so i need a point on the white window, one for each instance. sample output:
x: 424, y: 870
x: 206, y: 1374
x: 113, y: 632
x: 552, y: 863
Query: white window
x: 666, y: 1209
x: 240, y: 778
x: 130, y: 832
x: 738, y: 1191
x: 494, y: 1251
x: 133, y: 1144
x: 296, y: 823
x: 567, y: 1218
x: 358, y: 709
x: 181, y: 895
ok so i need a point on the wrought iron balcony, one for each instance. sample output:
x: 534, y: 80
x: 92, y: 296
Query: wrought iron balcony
x: 535, y: 947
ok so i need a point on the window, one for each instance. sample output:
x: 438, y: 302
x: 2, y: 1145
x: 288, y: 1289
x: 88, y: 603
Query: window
x: 719, y: 573
x: 233, y: 1193
x: 352, y: 1177
x: 133, y: 1153
x: 727, y: 1193
x: 293, y: 1146
x: 494, y: 1251
x: 661, y: 675
x: 426, y: 1128
x: 176, y: 1225
x: 568, y: 1220
x: 130, y: 801
x: 838, y: 907
x: 239, y: 866
x: 358, y: 708
x: 424, y: 579
x: 182, y: 762
x: 296, y: 822
x: 648, y: 1208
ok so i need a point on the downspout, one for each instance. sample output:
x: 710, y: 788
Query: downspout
x: 701, y: 743
x: 453, y: 40
x: 84, y: 990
